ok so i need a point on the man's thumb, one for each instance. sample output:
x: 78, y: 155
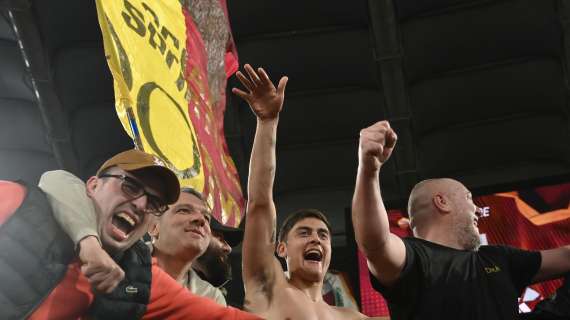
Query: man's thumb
x: 281, y: 86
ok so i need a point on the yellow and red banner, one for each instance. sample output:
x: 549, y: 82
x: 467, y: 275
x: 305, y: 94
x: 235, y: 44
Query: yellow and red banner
x: 169, y: 98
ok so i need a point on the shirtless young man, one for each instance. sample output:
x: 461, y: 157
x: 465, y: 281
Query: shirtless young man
x: 306, y: 246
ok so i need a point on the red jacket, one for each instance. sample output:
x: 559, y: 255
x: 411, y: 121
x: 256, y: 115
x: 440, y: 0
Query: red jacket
x: 168, y: 300
x: 72, y: 297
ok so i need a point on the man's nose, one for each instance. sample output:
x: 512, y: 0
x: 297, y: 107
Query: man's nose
x: 199, y: 220
x: 226, y: 249
x: 140, y: 203
x: 315, y: 238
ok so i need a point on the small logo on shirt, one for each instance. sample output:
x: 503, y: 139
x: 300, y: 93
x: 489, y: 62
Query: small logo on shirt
x: 493, y: 269
x: 131, y: 290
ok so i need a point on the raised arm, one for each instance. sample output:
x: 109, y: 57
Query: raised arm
x: 266, y: 101
x: 385, y: 251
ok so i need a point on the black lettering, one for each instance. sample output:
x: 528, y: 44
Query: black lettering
x: 155, y: 39
x: 167, y: 34
x: 152, y: 39
x: 135, y: 20
x: 170, y: 58
x: 180, y: 82
x: 154, y: 16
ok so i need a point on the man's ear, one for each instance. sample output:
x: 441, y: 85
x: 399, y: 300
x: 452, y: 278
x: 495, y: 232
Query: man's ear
x: 153, y: 229
x: 91, y: 185
x: 441, y: 203
x: 282, y: 250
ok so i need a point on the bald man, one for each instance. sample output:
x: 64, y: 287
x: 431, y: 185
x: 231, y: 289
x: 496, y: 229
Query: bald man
x: 442, y: 272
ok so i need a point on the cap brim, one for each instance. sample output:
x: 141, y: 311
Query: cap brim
x: 171, y: 184
x: 137, y: 161
x: 233, y: 236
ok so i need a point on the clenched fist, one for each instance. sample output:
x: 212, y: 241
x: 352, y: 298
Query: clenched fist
x: 376, y: 145
x: 98, y: 267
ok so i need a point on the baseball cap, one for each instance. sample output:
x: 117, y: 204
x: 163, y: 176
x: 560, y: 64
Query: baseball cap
x: 140, y: 163
x: 233, y: 236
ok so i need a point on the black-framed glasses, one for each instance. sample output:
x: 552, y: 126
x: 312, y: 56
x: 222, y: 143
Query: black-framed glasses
x: 134, y: 190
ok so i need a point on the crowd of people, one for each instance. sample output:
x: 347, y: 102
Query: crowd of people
x: 129, y: 243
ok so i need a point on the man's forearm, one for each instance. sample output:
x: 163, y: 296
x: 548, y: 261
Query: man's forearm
x: 369, y: 215
x: 554, y: 263
x: 384, y: 251
x: 262, y: 164
x: 72, y: 209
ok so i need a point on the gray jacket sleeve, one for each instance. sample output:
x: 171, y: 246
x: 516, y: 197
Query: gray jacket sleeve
x: 72, y: 209
x: 203, y: 288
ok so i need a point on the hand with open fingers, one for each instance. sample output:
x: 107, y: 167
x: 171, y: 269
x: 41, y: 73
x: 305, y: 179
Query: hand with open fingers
x: 264, y: 99
x: 376, y: 145
x: 98, y: 267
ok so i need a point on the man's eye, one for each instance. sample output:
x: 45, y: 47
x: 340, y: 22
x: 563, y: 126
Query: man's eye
x: 183, y: 211
x: 131, y: 188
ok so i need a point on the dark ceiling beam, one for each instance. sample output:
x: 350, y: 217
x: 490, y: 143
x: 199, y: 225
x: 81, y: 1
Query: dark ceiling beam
x: 15, y: 4
x: 389, y: 60
x: 36, y: 61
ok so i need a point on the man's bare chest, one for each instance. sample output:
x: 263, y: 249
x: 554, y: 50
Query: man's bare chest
x: 292, y: 304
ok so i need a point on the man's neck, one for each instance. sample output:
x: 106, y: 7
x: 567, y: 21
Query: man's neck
x: 442, y: 236
x: 176, y: 267
x: 313, y: 290
x: 196, y: 267
x: 200, y: 269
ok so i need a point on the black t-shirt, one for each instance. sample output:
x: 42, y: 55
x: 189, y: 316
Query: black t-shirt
x: 439, y: 282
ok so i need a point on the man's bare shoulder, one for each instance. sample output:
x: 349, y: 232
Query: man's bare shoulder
x: 288, y: 302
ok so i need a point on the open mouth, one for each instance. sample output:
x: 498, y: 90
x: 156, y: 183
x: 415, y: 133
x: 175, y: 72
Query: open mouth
x: 313, y: 255
x: 124, y: 223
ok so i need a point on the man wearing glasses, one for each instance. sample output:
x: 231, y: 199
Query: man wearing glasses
x: 128, y: 190
x: 180, y: 234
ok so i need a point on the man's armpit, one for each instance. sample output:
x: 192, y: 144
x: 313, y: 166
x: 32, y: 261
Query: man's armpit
x: 265, y: 283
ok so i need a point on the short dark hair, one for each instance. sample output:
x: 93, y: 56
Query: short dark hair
x: 106, y: 171
x: 193, y: 192
x: 299, y: 215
